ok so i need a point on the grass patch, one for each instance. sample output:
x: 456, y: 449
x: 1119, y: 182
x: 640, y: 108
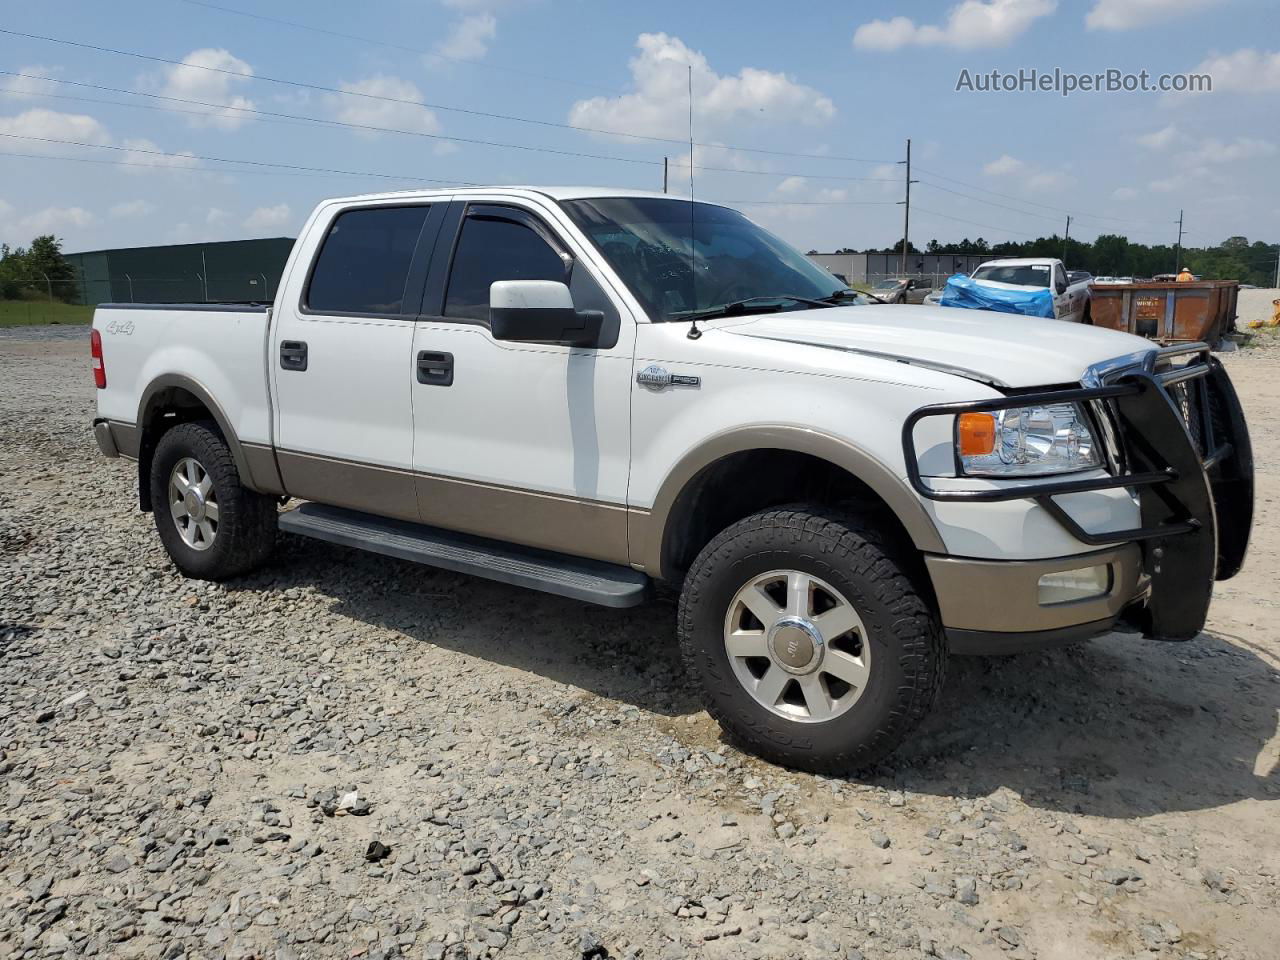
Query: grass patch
x: 23, y: 313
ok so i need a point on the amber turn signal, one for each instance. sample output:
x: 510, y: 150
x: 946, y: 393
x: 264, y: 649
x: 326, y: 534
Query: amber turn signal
x: 976, y: 433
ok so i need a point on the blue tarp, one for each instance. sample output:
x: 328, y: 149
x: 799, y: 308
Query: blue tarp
x: 964, y: 292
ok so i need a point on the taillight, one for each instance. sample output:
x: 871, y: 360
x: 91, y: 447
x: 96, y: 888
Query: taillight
x: 95, y: 351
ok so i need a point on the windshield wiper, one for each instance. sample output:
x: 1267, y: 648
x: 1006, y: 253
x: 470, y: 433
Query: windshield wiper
x: 770, y: 304
x: 847, y: 294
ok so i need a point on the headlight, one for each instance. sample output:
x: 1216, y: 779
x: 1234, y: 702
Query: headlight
x: 1025, y: 441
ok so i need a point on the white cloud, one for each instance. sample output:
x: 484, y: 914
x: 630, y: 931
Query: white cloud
x: 970, y: 25
x: 1003, y: 166
x: 1214, y: 150
x: 1019, y: 173
x: 1127, y: 14
x: 143, y: 153
x: 54, y: 219
x: 268, y: 218
x: 383, y: 101
x: 1048, y: 180
x: 1244, y: 71
x: 1124, y: 193
x: 211, y: 76
x: 792, y: 185
x: 1159, y: 139
x: 469, y: 38
x: 42, y: 124
x: 131, y: 208
x: 216, y: 215
x: 26, y: 87
x: 659, y: 105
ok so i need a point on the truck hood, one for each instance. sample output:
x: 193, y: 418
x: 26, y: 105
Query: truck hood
x: 1001, y: 349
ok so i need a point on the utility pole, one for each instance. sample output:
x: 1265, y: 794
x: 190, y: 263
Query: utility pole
x: 1065, y: 237
x: 664, y: 174
x: 1177, y: 250
x: 906, y: 208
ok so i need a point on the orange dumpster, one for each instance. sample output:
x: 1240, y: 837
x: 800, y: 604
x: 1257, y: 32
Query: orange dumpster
x: 1167, y: 312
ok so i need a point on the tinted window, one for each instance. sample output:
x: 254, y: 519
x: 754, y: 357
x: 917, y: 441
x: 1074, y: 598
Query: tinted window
x: 490, y: 250
x: 364, y: 262
x: 648, y: 243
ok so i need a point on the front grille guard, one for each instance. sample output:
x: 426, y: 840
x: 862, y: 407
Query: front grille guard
x: 1184, y: 452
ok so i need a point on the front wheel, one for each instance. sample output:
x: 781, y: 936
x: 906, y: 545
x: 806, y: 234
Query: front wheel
x: 811, y: 644
x: 212, y: 526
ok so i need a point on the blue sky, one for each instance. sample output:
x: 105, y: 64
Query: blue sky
x: 843, y: 85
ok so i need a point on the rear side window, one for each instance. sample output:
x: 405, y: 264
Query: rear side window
x: 493, y: 249
x: 364, y: 261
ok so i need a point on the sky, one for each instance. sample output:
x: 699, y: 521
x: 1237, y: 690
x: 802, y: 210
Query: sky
x: 800, y: 113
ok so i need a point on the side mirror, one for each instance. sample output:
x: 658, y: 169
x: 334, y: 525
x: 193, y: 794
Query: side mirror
x: 1062, y: 287
x: 540, y: 311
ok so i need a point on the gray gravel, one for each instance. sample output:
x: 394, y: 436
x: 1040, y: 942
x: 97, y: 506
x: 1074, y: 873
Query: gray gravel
x: 344, y: 755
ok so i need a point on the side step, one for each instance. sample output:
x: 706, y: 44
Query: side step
x: 607, y: 584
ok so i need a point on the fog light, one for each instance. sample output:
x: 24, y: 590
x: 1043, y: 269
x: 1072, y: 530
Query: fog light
x: 1068, y: 585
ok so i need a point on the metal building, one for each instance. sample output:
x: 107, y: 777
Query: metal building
x: 234, y: 270
x: 870, y: 267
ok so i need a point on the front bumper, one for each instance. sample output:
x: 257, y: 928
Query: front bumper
x: 995, y: 606
x: 1181, y: 446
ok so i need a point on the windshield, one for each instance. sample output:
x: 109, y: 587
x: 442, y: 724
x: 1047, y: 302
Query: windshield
x: 886, y: 285
x: 646, y: 241
x: 1023, y: 274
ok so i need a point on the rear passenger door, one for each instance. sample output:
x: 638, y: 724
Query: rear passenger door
x: 341, y: 356
x: 524, y: 442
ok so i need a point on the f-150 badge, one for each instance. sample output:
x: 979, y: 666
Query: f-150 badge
x: 657, y: 378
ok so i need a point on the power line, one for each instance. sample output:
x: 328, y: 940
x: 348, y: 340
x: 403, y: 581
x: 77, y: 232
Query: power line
x: 393, y: 46
x: 270, y: 116
x: 294, y: 119
x: 1033, y: 203
x: 811, y: 203
x: 157, y: 166
x: 252, y: 163
x: 973, y: 223
x: 320, y: 88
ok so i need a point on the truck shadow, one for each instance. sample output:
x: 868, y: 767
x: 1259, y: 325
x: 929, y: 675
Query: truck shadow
x: 1117, y: 727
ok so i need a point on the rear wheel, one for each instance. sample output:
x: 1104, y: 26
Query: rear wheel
x: 810, y: 642
x: 211, y: 525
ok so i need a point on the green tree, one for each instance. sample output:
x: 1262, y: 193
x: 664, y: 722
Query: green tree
x: 35, y: 271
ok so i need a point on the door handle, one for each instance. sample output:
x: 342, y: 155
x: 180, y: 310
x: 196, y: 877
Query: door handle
x: 293, y: 355
x: 435, y: 369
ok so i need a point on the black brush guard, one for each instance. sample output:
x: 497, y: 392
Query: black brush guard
x: 1181, y: 444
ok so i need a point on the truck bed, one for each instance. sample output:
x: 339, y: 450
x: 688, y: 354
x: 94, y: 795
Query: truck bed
x: 217, y: 349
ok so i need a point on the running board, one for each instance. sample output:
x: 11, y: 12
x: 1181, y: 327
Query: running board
x: 594, y: 581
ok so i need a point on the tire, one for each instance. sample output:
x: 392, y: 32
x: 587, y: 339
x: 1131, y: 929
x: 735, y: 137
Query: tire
x: 240, y: 532
x: 896, y: 653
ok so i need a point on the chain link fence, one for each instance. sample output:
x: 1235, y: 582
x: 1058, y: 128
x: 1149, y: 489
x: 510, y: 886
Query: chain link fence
x: 25, y: 301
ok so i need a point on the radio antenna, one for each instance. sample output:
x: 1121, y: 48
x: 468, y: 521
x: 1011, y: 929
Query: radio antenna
x: 694, y: 332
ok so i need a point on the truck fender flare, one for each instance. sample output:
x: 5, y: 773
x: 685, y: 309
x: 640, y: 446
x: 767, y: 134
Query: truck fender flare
x: 649, y: 538
x: 146, y: 415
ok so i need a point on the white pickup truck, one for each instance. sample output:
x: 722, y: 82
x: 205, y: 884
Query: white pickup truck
x: 555, y: 388
x: 1070, y: 300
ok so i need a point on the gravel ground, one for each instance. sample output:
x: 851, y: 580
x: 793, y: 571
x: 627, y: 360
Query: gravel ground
x: 1255, y: 305
x: 348, y: 756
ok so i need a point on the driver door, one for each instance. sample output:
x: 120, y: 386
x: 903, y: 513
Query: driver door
x: 523, y: 442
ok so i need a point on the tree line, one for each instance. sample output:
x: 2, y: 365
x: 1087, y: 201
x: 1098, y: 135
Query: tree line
x: 1114, y: 255
x: 37, y: 272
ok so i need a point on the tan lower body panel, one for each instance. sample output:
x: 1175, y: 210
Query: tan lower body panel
x: 582, y: 528
x: 342, y: 483
x: 1002, y: 596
